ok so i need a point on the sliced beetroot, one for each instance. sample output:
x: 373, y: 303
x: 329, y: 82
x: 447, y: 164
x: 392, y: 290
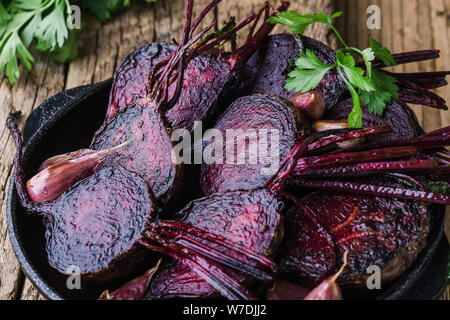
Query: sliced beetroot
x: 387, y: 233
x: 149, y: 152
x: 204, y: 89
x: 307, y: 249
x: 207, y: 78
x: 131, y: 77
x: 268, y: 68
x: 96, y: 225
x: 396, y: 115
x: 177, y: 280
x: 251, y: 220
x: 252, y: 115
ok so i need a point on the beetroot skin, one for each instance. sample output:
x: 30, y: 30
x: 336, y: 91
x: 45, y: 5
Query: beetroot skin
x: 256, y: 112
x: 149, y: 153
x: 250, y: 219
x: 388, y: 233
x: 267, y: 70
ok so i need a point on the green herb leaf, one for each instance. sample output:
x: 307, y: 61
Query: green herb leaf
x: 308, y: 73
x: 386, y: 90
x: 298, y: 23
x: 368, y: 86
x: 12, y: 48
x: 70, y: 49
x: 355, y: 75
x: 382, y: 53
x: 53, y: 32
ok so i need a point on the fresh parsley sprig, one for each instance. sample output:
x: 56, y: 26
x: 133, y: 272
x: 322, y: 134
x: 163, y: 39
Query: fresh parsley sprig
x: 369, y: 87
x: 44, y: 22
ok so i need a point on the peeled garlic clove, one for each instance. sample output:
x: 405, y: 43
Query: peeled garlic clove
x: 325, y: 125
x: 310, y: 104
x: 328, y: 289
x: 133, y: 290
x: 60, y: 173
x: 64, y: 157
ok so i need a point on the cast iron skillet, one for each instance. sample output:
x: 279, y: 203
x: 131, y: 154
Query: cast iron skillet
x: 67, y: 122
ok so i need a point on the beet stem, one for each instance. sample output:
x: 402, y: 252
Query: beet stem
x: 241, y: 55
x: 220, y: 241
x: 212, y: 274
x: 19, y: 174
x: 369, y: 189
x: 371, y: 168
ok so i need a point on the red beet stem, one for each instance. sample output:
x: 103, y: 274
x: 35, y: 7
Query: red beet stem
x: 202, y: 15
x: 324, y: 161
x: 218, y: 40
x: 238, y: 260
x: 432, y: 140
x: 221, y: 255
x: 414, y: 93
x: 427, y: 80
x: 220, y: 241
x: 369, y: 168
x: 242, y: 54
x: 408, y: 57
x: 376, y: 190
x: 332, y: 139
x: 314, y: 143
x: 408, y: 178
x: 19, y: 174
x: 208, y: 271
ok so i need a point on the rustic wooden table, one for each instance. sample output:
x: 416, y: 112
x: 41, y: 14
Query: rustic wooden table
x: 406, y: 25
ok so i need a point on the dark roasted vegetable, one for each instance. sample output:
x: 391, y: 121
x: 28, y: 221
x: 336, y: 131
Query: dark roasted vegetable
x: 268, y: 68
x: 251, y: 220
x: 269, y: 127
x: 388, y: 233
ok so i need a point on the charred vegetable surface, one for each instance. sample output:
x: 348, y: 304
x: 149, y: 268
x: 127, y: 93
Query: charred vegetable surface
x: 250, y: 219
x: 388, y: 233
x: 261, y: 120
x: 149, y: 154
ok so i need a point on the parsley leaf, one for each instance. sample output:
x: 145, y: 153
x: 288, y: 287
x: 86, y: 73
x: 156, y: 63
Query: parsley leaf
x: 386, y: 90
x: 382, y: 53
x: 43, y: 22
x: 69, y: 51
x: 308, y: 74
x: 369, y: 86
x: 52, y: 32
x: 354, y: 74
x: 298, y: 23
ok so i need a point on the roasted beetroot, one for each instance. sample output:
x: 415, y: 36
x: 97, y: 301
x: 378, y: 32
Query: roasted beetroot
x: 149, y: 153
x: 267, y: 70
x: 387, y: 233
x: 131, y: 77
x: 266, y: 128
x: 398, y: 116
x: 108, y: 219
x: 208, y: 77
x: 251, y: 220
x: 307, y: 249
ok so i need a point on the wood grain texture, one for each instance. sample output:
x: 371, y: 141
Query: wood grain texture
x: 103, y: 47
